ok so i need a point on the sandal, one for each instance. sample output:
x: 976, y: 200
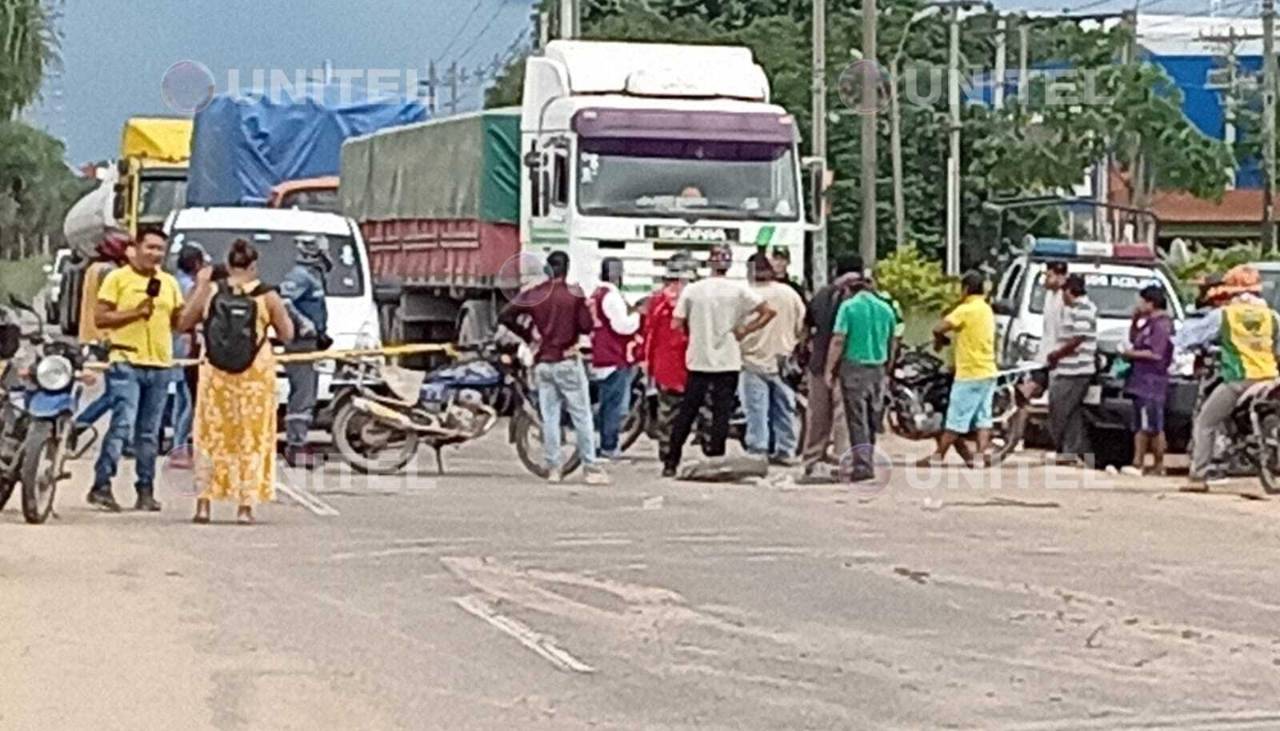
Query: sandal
x: 244, y: 516
x: 202, y: 512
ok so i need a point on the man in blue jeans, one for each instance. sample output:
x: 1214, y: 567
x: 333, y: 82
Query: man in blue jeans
x: 612, y: 355
x: 767, y: 401
x: 139, y: 304
x: 560, y: 316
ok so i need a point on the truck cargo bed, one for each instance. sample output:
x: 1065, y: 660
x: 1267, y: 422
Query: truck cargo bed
x: 445, y: 253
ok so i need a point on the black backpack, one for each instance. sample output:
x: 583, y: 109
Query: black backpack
x: 231, y: 329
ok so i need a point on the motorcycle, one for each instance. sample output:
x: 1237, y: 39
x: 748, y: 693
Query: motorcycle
x: 920, y: 389
x: 646, y: 421
x: 382, y: 414
x: 40, y: 405
x: 1248, y: 442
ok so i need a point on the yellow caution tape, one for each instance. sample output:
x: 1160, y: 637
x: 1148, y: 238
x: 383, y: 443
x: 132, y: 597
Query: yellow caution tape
x: 320, y: 355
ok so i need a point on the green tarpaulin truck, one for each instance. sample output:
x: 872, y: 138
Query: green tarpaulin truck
x: 439, y: 206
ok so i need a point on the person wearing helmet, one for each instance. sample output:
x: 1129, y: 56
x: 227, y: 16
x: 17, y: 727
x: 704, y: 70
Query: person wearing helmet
x: 1248, y: 332
x: 303, y: 291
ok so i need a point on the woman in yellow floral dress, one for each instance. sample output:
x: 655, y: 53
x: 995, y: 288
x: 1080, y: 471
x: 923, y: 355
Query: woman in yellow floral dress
x: 235, y: 421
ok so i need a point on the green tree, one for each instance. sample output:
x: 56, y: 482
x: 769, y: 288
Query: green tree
x: 1041, y: 145
x: 29, y: 48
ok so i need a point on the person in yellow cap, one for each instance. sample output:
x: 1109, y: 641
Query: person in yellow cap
x: 1247, y: 331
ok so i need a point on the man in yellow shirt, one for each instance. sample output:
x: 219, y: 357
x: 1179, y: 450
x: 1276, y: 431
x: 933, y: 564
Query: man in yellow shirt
x: 969, y: 406
x: 138, y: 305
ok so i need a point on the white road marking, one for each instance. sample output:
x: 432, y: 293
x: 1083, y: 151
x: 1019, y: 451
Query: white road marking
x: 307, y: 500
x: 543, y: 645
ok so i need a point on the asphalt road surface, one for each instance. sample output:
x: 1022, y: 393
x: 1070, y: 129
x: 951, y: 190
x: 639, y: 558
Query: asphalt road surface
x: 1014, y: 598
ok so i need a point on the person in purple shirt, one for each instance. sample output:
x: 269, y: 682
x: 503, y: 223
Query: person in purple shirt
x: 1150, y: 352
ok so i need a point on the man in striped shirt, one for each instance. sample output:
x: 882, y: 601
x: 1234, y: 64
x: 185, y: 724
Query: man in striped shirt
x: 1072, y: 363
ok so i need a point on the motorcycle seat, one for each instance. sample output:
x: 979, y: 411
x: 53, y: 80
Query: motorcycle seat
x: 403, y: 383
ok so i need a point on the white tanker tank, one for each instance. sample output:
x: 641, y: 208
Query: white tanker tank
x: 91, y: 217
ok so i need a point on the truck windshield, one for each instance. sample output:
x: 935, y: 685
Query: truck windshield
x: 1113, y: 293
x: 324, y: 200
x: 158, y: 197
x: 277, y: 253
x: 680, y: 178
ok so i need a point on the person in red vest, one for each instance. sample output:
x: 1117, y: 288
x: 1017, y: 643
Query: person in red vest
x: 612, y: 359
x: 664, y: 346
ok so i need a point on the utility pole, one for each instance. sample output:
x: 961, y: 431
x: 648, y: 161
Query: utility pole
x: 953, y: 157
x: 867, y: 245
x: 1268, y: 126
x: 453, y: 88
x: 570, y: 19
x: 1023, y: 60
x: 819, y: 263
x: 997, y: 93
x: 433, y: 88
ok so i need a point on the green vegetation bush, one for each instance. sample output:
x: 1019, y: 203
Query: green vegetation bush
x: 916, y: 281
x: 22, y: 278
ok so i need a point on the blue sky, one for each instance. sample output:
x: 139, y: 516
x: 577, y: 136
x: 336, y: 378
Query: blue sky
x: 115, y: 52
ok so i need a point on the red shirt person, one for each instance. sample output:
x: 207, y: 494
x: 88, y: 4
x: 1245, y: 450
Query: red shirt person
x: 665, y: 346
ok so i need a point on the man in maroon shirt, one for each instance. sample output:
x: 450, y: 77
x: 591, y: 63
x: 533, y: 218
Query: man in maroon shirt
x: 560, y: 317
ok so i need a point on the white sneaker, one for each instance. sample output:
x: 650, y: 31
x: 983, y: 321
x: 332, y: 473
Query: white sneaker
x: 1131, y: 471
x: 1051, y: 458
x: 596, y: 477
x: 553, y: 476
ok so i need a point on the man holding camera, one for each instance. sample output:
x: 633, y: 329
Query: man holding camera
x: 303, y: 291
x: 138, y: 305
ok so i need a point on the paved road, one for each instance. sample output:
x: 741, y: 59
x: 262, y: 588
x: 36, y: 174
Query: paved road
x: 485, y: 599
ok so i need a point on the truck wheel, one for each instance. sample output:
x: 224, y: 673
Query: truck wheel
x: 6, y: 489
x: 528, y: 439
x: 1111, y: 448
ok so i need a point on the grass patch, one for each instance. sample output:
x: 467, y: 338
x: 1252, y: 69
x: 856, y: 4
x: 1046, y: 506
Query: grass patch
x: 22, y: 278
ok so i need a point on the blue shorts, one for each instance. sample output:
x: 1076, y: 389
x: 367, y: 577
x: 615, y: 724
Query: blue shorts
x: 1148, y: 415
x: 970, y: 405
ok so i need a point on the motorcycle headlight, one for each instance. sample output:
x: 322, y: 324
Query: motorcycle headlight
x: 1026, y: 347
x: 54, y: 373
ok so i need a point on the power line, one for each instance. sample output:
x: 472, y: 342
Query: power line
x: 461, y: 29
x: 488, y: 24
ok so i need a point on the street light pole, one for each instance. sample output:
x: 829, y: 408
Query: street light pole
x: 867, y: 246
x: 953, y: 158
x: 818, y: 259
x: 895, y: 127
x: 569, y: 19
x: 1268, y: 126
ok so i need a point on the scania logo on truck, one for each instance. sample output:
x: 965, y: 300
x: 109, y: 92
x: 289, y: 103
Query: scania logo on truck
x: 691, y: 234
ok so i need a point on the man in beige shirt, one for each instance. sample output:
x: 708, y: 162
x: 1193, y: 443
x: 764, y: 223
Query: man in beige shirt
x: 768, y: 402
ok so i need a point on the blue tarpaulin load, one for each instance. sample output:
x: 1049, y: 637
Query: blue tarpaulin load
x: 242, y: 146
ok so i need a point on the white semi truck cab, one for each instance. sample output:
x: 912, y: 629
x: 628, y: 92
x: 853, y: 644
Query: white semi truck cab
x: 640, y: 150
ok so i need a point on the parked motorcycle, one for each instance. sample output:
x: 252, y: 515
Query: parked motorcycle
x: 648, y: 424
x: 1248, y: 442
x: 920, y: 389
x: 382, y: 413
x: 40, y: 405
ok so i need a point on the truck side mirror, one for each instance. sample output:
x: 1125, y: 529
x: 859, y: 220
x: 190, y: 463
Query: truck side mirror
x: 118, y: 204
x: 818, y: 179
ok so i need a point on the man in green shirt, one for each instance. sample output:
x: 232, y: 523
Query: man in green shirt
x: 860, y: 349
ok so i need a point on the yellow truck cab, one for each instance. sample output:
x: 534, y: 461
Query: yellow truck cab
x: 154, y: 155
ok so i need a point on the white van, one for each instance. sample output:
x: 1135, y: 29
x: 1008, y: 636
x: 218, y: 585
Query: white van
x: 353, y: 316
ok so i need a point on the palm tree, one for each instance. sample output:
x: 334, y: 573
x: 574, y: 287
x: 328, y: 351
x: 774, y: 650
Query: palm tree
x: 28, y: 47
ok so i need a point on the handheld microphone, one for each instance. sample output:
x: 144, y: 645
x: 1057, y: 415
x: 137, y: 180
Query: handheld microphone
x: 153, y: 288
